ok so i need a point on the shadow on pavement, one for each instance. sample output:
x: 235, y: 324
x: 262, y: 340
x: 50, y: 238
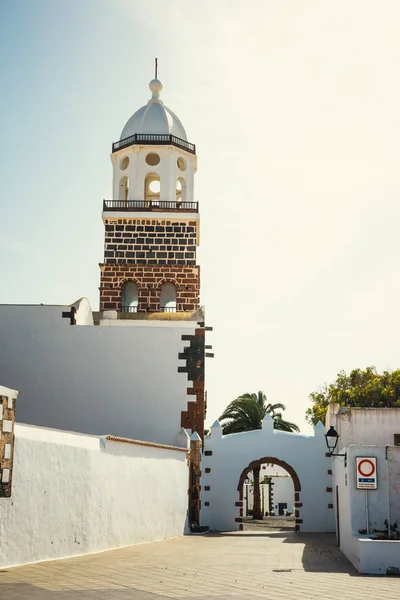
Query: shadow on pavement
x: 25, y: 591
x: 320, y: 553
x: 19, y: 591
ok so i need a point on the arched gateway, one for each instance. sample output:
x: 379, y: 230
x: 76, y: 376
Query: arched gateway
x: 227, y: 460
x: 271, y: 460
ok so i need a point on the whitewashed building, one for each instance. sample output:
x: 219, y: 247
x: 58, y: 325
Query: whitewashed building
x: 366, y: 486
x: 276, y: 491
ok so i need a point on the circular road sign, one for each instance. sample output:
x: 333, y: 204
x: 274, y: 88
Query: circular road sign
x: 366, y: 467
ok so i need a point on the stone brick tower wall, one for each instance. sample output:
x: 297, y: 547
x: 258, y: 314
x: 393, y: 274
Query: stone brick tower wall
x: 150, y: 252
x: 152, y: 220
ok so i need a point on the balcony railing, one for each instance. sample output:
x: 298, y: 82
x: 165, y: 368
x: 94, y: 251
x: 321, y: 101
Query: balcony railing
x: 129, y: 309
x: 134, y: 309
x: 150, y: 206
x: 154, y: 139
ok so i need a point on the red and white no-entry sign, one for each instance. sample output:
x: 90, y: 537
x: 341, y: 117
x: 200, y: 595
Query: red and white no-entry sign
x: 366, y: 476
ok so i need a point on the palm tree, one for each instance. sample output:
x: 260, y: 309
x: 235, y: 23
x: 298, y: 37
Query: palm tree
x: 246, y: 413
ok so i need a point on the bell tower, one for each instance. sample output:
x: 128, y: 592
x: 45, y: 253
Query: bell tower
x: 152, y: 220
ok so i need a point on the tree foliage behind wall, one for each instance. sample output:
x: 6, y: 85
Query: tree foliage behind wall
x: 247, y: 412
x: 366, y: 388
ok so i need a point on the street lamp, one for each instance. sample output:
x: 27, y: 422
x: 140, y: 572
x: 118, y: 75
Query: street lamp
x: 332, y: 438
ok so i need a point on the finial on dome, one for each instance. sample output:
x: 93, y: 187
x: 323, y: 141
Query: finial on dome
x: 155, y: 84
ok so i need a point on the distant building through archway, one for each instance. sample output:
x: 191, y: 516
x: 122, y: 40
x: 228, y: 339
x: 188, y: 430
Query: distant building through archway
x: 275, y: 461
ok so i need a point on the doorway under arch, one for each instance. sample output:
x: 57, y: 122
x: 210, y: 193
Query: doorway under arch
x: 284, y: 465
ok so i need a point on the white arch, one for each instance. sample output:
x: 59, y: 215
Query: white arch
x: 230, y: 457
x: 152, y: 187
x: 123, y: 190
x: 181, y: 189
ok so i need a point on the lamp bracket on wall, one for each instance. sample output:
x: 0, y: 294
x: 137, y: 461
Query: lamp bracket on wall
x: 332, y: 438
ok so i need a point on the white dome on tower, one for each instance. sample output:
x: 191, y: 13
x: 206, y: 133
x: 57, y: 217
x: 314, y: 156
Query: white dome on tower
x: 154, y: 117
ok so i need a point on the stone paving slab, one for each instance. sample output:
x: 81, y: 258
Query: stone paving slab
x: 240, y: 565
x: 269, y: 524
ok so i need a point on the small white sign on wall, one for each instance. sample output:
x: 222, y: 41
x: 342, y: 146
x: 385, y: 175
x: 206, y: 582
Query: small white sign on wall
x: 366, y: 475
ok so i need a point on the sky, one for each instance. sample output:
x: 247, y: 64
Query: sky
x: 294, y: 109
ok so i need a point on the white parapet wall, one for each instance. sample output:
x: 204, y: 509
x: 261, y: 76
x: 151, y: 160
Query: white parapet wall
x: 74, y: 494
x: 228, y: 458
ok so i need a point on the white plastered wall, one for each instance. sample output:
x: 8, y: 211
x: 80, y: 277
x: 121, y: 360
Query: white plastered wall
x: 373, y: 426
x: 231, y: 454
x: 283, y: 491
x: 74, y: 494
x: 95, y: 380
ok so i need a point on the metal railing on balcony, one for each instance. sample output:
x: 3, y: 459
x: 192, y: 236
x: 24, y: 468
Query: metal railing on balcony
x: 134, y: 309
x: 150, y: 206
x: 154, y: 139
x: 129, y: 309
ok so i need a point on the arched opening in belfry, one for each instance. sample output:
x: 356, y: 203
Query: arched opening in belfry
x: 269, y: 496
x: 180, y: 190
x: 123, y: 192
x: 168, y: 298
x: 152, y: 188
x: 129, y: 297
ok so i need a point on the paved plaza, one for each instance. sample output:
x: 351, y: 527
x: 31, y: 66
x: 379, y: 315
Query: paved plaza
x: 269, y: 524
x: 242, y: 565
